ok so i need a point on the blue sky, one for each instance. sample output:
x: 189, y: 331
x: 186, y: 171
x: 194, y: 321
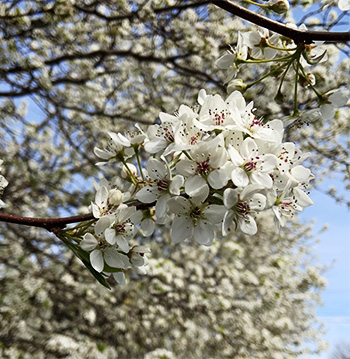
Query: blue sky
x: 334, y: 247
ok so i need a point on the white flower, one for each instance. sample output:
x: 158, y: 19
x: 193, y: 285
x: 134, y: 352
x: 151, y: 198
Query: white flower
x: 289, y: 202
x: 334, y: 101
x: 161, y: 136
x: 216, y: 114
x: 116, y: 146
x: 344, y: 5
x: 241, y: 207
x: 207, y: 166
x: 248, y: 123
x: 252, y: 167
x: 258, y: 43
x: 122, y: 229
x: 102, y: 252
x: 161, y: 186
x: 194, y: 220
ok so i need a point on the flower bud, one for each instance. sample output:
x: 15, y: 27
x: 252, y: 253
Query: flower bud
x: 115, y: 197
x: 125, y: 172
x: 280, y: 6
x: 236, y: 84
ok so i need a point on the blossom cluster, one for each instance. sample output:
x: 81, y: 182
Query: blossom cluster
x: 3, y: 184
x: 216, y: 165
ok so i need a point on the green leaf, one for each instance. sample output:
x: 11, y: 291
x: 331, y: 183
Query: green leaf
x: 84, y: 257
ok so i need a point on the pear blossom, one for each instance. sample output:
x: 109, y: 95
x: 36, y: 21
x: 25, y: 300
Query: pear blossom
x: 101, y: 251
x: 116, y: 147
x: 241, y: 207
x: 252, y: 166
x: 208, y: 166
x: 258, y: 43
x: 333, y: 102
x: 161, y: 186
x: 121, y: 229
x: 288, y: 203
x: 194, y: 220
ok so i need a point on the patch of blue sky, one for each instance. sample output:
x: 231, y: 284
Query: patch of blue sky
x: 333, y: 249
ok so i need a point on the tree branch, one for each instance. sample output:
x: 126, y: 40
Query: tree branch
x: 51, y: 223
x: 46, y: 223
x: 298, y: 36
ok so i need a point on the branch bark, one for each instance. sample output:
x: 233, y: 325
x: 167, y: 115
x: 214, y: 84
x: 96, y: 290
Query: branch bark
x: 50, y: 224
x: 298, y: 36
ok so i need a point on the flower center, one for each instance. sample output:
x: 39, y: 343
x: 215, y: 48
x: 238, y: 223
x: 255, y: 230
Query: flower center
x: 243, y: 208
x: 218, y: 116
x: 166, y: 132
x: 203, y: 167
x: 162, y: 184
x: 195, y: 213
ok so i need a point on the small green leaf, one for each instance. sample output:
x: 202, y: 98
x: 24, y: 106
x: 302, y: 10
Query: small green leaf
x: 84, y: 257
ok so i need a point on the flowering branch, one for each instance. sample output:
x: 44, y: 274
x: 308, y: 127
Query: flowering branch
x: 304, y: 36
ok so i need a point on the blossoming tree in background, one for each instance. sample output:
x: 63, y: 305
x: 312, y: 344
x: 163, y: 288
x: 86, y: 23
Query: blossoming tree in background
x: 252, y: 105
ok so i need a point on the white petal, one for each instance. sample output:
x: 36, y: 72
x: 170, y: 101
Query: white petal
x: 218, y: 178
x: 239, y: 177
x: 113, y: 258
x: 248, y: 225
x: 249, y: 148
x: 156, y: 145
x: 269, y: 162
x: 204, y: 233
x: 236, y: 158
x: 119, y: 277
x: 197, y: 188
x: 182, y: 228
x: 301, y: 174
x: 344, y: 5
x: 156, y: 169
x: 147, y: 227
x: 147, y: 194
x: 230, y: 197
x: 96, y: 260
x: 178, y: 205
x: 110, y: 235
x: 338, y: 98
x: 302, y: 198
x: 105, y: 155
x: 101, y: 197
x: 102, y: 224
x: 161, y: 205
x: 257, y: 202
x: 214, y: 213
x: 89, y: 242
x: 225, y: 61
x: 176, y: 183
x: 227, y: 222
x: 328, y: 111
x: 123, y: 244
x: 262, y: 179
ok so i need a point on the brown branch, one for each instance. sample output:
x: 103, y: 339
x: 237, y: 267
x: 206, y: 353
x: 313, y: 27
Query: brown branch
x: 299, y: 36
x: 46, y: 223
x: 51, y: 224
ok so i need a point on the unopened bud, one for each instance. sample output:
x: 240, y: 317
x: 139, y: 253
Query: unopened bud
x: 236, y: 85
x: 115, y: 197
x: 280, y: 6
x: 310, y: 79
x: 280, y: 98
x: 126, y: 173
